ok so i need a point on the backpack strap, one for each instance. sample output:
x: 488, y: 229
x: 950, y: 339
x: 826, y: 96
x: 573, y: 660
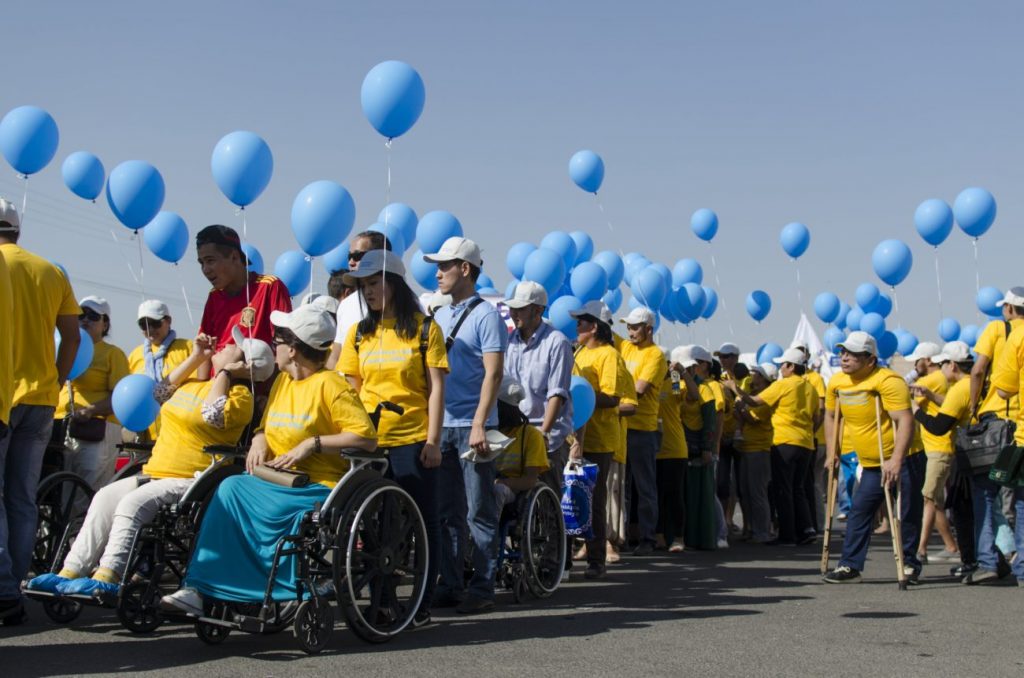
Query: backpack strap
x: 425, y: 340
x: 450, y: 339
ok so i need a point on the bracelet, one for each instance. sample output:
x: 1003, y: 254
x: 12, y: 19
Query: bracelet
x: 316, y: 445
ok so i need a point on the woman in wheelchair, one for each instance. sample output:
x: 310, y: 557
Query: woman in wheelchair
x: 194, y: 414
x: 311, y: 415
x: 521, y: 463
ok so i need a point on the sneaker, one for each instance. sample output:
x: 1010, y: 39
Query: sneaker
x: 841, y: 517
x: 963, y: 569
x: 184, y: 600
x: 594, y: 571
x: 644, y: 548
x: 88, y: 587
x: 945, y: 556
x: 474, y: 605
x: 980, y: 577
x: 923, y: 557
x: 722, y: 544
x: 46, y: 582
x: 421, y: 619
x: 842, y: 575
x: 913, y: 575
x: 676, y: 547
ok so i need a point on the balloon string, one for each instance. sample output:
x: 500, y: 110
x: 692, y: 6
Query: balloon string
x: 142, y: 270
x: 248, y: 298
x: 938, y: 282
x: 977, y: 271
x: 24, y: 198
x: 127, y: 262
x: 799, y: 290
x: 721, y: 293
x: 895, y: 305
x: 604, y: 214
x: 184, y: 297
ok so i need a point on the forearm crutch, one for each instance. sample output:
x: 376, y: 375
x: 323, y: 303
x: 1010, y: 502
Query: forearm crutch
x: 833, y: 487
x: 894, y: 518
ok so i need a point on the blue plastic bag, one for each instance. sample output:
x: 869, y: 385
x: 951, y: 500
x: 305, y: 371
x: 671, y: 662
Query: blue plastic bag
x: 577, y: 498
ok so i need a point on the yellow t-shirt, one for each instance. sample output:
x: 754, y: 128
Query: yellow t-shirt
x: 600, y: 367
x: 689, y: 410
x: 645, y: 364
x: 1008, y: 371
x: 958, y: 403
x: 6, y: 348
x: 990, y: 344
x: 529, y: 450
x: 817, y: 382
x: 177, y: 353
x: 109, y: 366
x: 857, y: 408
x: 322, y: 404
x: 40, y: 293
x: 673, y: 441
x: 391, y: 369
x: 794, y: 404
x: 936, y: 382
x: 178, y: 452
x: 757, y: 435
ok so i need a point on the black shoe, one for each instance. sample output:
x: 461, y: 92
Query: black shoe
x: 12, y: 612
x: 963, y: 569
x: 644, y: 548
x: 474, y: 605
x: 808, y: 538
x: 594, y: 571
x: 981, y: 577
x: 421, y: 619
x: 842, y: 575
x: 447, y: 600
x: 913, y: 576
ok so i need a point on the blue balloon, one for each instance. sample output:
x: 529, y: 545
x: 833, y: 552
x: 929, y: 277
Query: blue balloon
x: 166, y: 236
x: 436, y: 227
x: 866, y: 295
x: 586, y: 169
x: 559, y: 315
x: 583, y: 401
x: 337, y: 259
x: 882, y: 305
x: 293, y: 268
x: 254, y: 258
x: 687, y: 271
x: 546, y: 268
x: 392, y: 97
x: 704, y: 224
x: 853, y: 319
x: 28, y: 138
x: 613, y: 300
x: 61, y: 268
x: 322, y: 216
x: 649, y: 287
x: 510, y: 289
x: 84, y: 355
x: 394, y: 235
x: 844, y: 310
x: 969, y: 335
x: 242, y: 165
x: 988, y: 299
x: 488, y: 291
x: 873, y: 324
x: 826, y: 307
x: 892, y: 261
x: 833, y: 335
x: 888, y: 343
x: 133, y: 402
x: 949, y: 329
x: 484, y: 281
x: 768, y: 352
x: 906, y: 343
x: 83, y: 174
x: 402, y: 216
x: 584, y: 246
x: 633, y: 266
x: 711, y: 303
x: 633, y: 303
x: 665, y: 274
x: 562, y: 243
x: 135, y: 193
x: 588, y: 281
x: 690, y: 301
x: 975, y: 210
x: 758, y: 306
x: 515, y: 260
x: 933, y: 220
x: 424, y: 272
x: 794, y: 238
x: 612, y: 265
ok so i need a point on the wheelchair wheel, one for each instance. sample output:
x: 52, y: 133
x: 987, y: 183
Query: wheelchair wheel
x: 314, y: 622
x: 543, y: 541
x: 58, y: 499
x: 381, y: 579
x: 138, y: 607
x: 211, y: 634
x: 61, y: 610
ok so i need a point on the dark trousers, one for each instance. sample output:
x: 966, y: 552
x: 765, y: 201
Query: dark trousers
x: 960, y: 502
x: 597, y: 545
x: 642, y: 488
x: 405, y: 468
x: 727, y: 482
x: 671, y: 502
x: 790, y: 464
x: 811, y: 490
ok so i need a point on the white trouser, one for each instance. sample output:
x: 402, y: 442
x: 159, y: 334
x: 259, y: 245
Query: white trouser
x: 95, y: 462
x: 116, y: 513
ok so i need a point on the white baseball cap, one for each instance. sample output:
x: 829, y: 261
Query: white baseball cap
x: 325, y: 303
x: 641, y: 315
x: 9, y: 219
x: 687, y: 356
x: 435, y: 300
x: 375, y: 262
x: 802, y: 345
x: 313, y: 326
x: 596, y: 309
x: 457, y: 248
x: 925, y: 349
x: 153, y: 309
x: 859, y: 342
x: 791, y: 355
x: 511, y: 391
x: 527, y: 293
x: 258, y: 355
x: 1014, y: 297
x: 98, y: 304
x: 955, y: 351
x: 728, y: 348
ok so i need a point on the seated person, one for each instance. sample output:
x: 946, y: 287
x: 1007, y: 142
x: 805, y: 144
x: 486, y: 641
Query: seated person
x: 520, y: 464
x: 311, y: 415
x: 194, y: 414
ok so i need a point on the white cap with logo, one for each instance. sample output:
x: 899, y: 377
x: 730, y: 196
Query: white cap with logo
x: 9, y: 219
x: 313, y: 326
x: 791, y: 355
x: 859, y: 342
x: 454, y: 248
x: 595, y: 309
x: 641, y: 315
x: 97, y: 304
x: 258, y: 355
x: 153, y: 309
x: 375, y: 262
x: 527, y: 293
x: 925, y: 349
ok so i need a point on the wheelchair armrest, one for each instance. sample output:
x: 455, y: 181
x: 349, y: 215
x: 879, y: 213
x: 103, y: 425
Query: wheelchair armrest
x: 226, y: 450
x: 362, y: 455
x: 135, y: 447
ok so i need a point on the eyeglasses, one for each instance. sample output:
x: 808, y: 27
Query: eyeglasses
x: 357, y: 255
x: 91, y: 316
x: 148, y: 323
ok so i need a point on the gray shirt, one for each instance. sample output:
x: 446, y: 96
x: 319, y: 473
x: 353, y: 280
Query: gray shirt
x: 543, y: 365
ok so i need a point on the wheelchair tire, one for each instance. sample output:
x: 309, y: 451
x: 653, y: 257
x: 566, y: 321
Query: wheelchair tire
x: 314, y: 621
x: 543, y: 541
x: 61, y: 610
x: 138, y: 607
x: 212, y: 634
x: 381, y: 572
x: 59, y: 521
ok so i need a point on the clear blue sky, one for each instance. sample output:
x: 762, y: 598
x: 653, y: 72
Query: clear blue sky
x: 844, y: 116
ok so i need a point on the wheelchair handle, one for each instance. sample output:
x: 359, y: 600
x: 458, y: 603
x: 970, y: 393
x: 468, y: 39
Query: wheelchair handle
x: 225, y: 450
x: 135, y: 447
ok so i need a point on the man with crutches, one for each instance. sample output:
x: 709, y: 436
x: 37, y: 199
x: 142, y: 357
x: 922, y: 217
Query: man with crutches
x: 877, y: 424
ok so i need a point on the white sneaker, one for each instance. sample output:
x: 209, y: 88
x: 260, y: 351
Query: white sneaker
x: 565, y: 576
x: 184, y: 600
x: 723, y: 543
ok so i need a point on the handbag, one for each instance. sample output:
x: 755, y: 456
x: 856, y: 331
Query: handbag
x: 981, y: 443
x: 578, y: 482
x: 91, y: 430
x: 283, y: 477
x: 1008, y: 466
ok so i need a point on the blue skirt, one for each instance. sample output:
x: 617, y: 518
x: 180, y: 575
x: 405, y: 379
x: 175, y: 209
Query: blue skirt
x: 241, y: 529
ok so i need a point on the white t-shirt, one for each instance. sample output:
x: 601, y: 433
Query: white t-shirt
x: 351, y: 310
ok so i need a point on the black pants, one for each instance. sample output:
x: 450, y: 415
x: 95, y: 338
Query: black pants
x: 810, y: 490
x: 790, y: 464
x: 959, y: 500
x: 727, y: 481
x: 597, y: 546
x: 671, y: 475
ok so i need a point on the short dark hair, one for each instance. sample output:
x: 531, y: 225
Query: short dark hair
x: 336, y: 284
x: 603, y: 331
x: 224, y: 237
x: 799, y: 370
x: 716, y: 369
x: 510, y: 415
x: 378, y: 241
x: 741, y: 371
x: 1017, y: 310
x: 474, y: 272
x: 966, y: 366
x: 313, y: 355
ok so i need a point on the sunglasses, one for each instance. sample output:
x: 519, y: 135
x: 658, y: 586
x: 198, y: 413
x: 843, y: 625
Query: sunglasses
x: 91, y: 316
x: 147, y: 323
x: 357, y: 255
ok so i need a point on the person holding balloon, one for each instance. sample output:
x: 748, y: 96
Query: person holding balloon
x: 161, y: 350
x: 43, y: 306
x: 352, y: 306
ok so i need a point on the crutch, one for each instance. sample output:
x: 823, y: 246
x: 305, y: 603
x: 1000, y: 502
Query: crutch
x: 833, y: 487
x: 894, y: 518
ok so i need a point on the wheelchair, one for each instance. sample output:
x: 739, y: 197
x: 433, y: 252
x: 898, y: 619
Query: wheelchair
x: 532, y: 538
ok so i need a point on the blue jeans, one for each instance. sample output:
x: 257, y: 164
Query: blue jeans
x: 987, y: 517
x: 641, y: 450
x: 21, y: 460
x: 866, y: 502
x: 421, y: 483
x: 848, y: 466
x: 469, y: 510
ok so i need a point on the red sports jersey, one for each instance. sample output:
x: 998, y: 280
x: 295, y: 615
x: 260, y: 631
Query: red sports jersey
x: 250, y: 312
